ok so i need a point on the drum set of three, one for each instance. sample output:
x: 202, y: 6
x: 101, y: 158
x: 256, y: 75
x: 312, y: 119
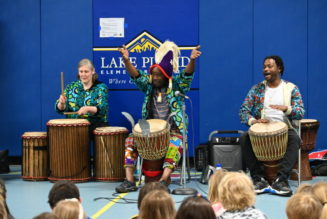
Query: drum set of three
x: 269, y: 142
x: 63, y: 152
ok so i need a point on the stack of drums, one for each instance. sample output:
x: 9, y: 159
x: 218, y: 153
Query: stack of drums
x: 109, y: 153
x: 69, y: 149
x: 309, y: 130
x: 35, y: 156
x: 269, y: 143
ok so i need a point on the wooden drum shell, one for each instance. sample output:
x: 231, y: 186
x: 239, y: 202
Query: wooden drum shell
x: 35, y: 165
x: 69, y: 149
x: 309, y: 131
x: 109, y: 153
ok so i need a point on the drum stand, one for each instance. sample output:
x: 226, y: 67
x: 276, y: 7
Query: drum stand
x: 184, y: 190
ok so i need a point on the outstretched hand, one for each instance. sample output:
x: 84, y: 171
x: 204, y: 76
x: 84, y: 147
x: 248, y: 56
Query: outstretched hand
x: 124, y: 52
x: 195, y: 52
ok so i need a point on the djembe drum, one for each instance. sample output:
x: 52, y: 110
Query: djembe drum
x: 152, y: 147
x: 269, y: 143
x: 309, y: 130
x: 35, y: 156
x: 69, y: 149
x: 109, y: 153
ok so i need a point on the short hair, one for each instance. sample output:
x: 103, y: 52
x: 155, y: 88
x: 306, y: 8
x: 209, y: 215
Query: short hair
x: 279, y: 62
x: 46, y: 215
x: 157, y: 204
x: 236, y: 191
x: 304, y: 188
x: 69, y: 208
x: 319, y: 189
x: 61, y: 190
x: 303, y: 206
x: 195, y: 207
x: 148, y: 187
x: 214, y: 182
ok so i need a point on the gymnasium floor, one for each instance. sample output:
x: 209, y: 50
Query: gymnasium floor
x: 27, y: 199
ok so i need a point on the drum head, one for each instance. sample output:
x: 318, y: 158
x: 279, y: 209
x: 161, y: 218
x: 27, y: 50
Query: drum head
x: 68, y: 122
x: 156, y: 125
x: 34, y: 135
x: 303, y: 121
x: 110, y: 130
x: 271, y: 128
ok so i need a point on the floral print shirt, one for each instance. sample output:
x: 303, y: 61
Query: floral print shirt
x: 181, y: 82
x: 77, y: 97
x: 254, y: 102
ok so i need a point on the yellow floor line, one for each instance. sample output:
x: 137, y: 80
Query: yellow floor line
x: 107, y: 206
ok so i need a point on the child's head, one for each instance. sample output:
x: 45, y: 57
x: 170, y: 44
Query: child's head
x: 303, y: 206
x: 214, y: 182
x: 157, y: 204
x: 195, y: 207
x: 148, y: 187
x: 236, y: 192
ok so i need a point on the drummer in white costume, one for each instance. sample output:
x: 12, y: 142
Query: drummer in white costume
x: 159, y: 102
x: 273, y: 99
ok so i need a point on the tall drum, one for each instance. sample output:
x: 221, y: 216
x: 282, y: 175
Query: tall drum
x: 152, y: 147
x: 269, y: 143
x: 309, y: 130
x: 69, y: 149
x: 109, y: 153
x: 35, y: 156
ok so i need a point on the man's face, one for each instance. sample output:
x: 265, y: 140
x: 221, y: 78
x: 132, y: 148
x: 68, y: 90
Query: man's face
x: 271, y: 71
x: 158, y: 79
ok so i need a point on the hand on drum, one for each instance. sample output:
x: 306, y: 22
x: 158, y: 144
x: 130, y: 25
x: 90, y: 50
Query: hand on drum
x: 87, y: 109
x: 260, y: 121
x: 279, y: 107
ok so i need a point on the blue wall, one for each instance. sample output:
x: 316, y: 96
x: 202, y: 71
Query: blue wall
x: 41, y: 38
x: 38, y: 40
x: 236, y: 36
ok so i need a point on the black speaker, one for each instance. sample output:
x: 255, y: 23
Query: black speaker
x: 201, y: 157
x: 226, y: 150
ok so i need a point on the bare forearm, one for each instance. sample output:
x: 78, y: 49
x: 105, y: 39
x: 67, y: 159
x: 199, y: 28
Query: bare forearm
x: 132, y: 71
x: 190, y: 66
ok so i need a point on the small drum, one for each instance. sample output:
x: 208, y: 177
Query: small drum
x: 69, y: 149
x: 269, y: 143
x: 309, y: 130
x: 152, y: 148
x: 35, y: 156
x: 109, y: 153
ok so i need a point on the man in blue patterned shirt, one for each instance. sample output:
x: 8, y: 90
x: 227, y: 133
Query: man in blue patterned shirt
x: 273, y: 99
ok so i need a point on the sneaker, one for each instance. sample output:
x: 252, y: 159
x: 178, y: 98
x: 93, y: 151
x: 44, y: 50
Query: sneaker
x: 126, y: 186
x: 164, y: 183
x: 281, y: 187
x: 260, y: 185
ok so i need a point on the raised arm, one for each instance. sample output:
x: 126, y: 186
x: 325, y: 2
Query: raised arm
x: 194, y: 55
x: 132, y: 71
